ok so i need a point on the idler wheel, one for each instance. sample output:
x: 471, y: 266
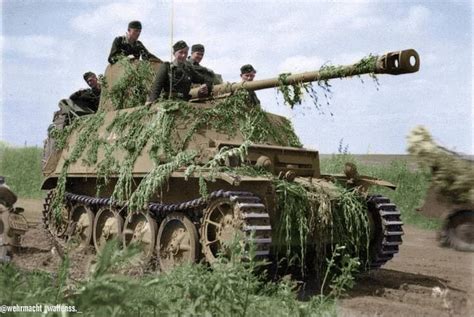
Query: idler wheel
x: 177, y: 242
x: 220, y: 225
x: 81, y: 225
x: 140, y: 229
x: 107, y: 226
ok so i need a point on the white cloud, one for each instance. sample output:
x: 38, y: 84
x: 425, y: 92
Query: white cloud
x: 414, y: 22
x: 300, y: 63
x: 37, y: 46
x: 417, y: 17
x: 112, y: 17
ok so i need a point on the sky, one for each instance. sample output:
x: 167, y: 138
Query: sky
x: 47, y: 45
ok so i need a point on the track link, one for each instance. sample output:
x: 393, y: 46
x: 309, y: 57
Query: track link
x: 256, y: 222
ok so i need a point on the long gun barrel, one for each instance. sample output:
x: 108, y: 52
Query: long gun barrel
x: 393, y: 63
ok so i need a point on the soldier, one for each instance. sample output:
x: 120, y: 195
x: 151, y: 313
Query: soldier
x: 181, y: 75
x: 197, y: 54
x: 88, y: 98
x: 82, y: 102
x: 247, y: 73
x: 129, y: 45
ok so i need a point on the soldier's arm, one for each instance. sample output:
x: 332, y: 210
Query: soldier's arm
x: 77, y: 95
x: 161, y: 79
x: 115, y: 51
x: 197, y: 78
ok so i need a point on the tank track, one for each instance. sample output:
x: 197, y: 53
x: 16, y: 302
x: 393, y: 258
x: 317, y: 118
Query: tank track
x: 388, y: 235
x: 252, y: 211
x: 388, y: 230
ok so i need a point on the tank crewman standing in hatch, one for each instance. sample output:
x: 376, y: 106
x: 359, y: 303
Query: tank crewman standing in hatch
x: 82, y: 102
x: 129, y: 45
x: 88, y: 98
x: 197, y: 54
x: 181, y: 75
x: 247, y: 73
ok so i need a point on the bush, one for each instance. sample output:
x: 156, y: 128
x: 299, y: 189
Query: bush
x: 231, y: 288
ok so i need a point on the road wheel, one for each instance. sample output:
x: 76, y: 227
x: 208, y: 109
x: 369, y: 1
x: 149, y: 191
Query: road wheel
x: 177, y: 242
x: 141, y: 229
x: 458, y: 231
x: 108, y: 225
x: 81, y: 225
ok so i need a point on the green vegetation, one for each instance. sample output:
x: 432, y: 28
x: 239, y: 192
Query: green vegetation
x: 21, y: 168
x: 329, y: 215
x: 293, y: 93
x: 231, y: 288
x: 132, y: 88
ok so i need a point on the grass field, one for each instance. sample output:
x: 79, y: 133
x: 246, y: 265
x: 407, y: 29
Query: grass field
x: 21, y: 168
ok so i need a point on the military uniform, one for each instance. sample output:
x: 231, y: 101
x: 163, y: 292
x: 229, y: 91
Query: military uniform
x: 122, y: 47
x: 87, y: 98
x: 182, y: 76
x: 253, y: 99
x: 205, y: 72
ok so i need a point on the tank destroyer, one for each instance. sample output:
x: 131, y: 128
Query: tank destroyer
x: 185, y: 178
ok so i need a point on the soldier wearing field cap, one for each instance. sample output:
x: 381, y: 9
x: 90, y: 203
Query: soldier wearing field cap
x: 197, y: 54
x: 247, y: 73
x: 88, y: 99
x: 178, y: 74
x: 128, y: 45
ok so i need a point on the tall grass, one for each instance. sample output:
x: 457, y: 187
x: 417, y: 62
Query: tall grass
x: 21, y: 167
x: 231, y: 288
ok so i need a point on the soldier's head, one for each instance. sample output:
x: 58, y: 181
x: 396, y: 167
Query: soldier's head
x: 247, y: 72
x: 180, y: 51
x: 134, y: 30
x: 197, y: 52
x: 91, y: 79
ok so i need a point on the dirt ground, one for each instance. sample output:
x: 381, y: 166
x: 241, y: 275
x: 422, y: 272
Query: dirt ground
x: 422, y: 280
